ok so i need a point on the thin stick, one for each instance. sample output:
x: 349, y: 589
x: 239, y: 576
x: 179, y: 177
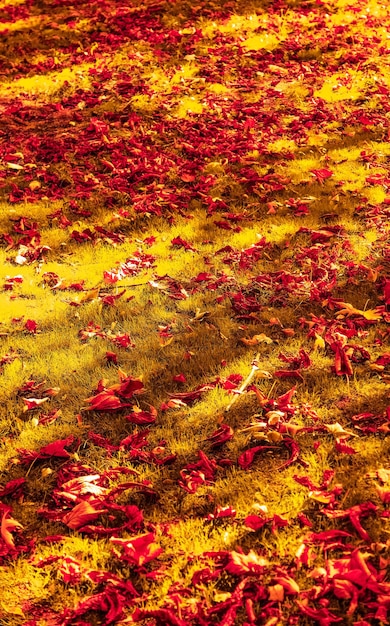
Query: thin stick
x: 104, y: 286
x: 246, y: 383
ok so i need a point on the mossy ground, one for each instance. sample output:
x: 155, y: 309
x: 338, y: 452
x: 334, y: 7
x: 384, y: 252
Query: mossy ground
x: 313, y: 125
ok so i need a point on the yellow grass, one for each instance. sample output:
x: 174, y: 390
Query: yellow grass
x: 57, y: 355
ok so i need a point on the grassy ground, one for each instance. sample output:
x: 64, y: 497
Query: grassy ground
x: 191, y: 194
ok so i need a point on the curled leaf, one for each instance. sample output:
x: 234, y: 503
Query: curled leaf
x: 81, y: 514
x: 246, y: 459
x: 8, y: 526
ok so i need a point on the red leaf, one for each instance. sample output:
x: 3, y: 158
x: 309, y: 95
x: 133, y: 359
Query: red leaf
x: 31, y: 326
x: 250, y: 563
x: 357, y: 512
x: 220, y: 436
x: 57, y: 448
x: 187, y: 178
x: 327, y: 536
x: 304, y: 520
x: 110, y: 299
x: 81, y: 514
x: 342, y: 363
x: 246, y: 459
x: 384, y: 359
x: 294, y: 449
x: 161, y: 616
x: 199, y: 473
x: 179, y: 378
x: 33, y: 403
x: 130, y: 387
x: 182, y: 243
x: 278, y: 521
x: 122, y: 340
x: 112, y: 357
x: 300, y: 361
x: 8, y: 526
x: 288, y: 584
x: 70, y: 570
x: 322, y: 174
x: 142, y: 417
x: 255, y: 522
x: 13, y: 488
x: 137, y: 550
x: 222, y: 511
x: 104, y: 401
x: 188, y: 397
x: 109, y: 602
x: 131, y: 267
x: 342, y: 447
x: 191, y: 480
x: 289, y: 374
x: 283, y: 402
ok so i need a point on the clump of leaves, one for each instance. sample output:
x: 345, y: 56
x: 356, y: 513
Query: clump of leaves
x: 193, y: 347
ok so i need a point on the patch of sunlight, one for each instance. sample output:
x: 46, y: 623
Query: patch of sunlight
x: 351, y: 186
x: 294, y: 89
x: 82, y: 24
x: 253, y: 154
x: 208, y: 29
x: 138, y: 58
x: 27, y: 306
x: 217, y: 88
x: 371, y: 235
x: 281, y: 145
x: 36, y: 211
x: 350, y: 153
x: 214, y: 167
x: 382, y: 148
x: 333, y: 89
x: 374, y: 103
x: 158, y: 80
x: 375, y: 195
x: 12, y: 3
x: 286, y: 27
x: 246, y: 238
x: 22, y: 580
x: 376, y: 9
x: 349, y: 171
x: 277, y: 233
x: 189, y: 104
x: 385, y: 75
x: 265, y: 41
x: 382, y: 33
x: 317, y: 139
x: 287, y: 119
x: 49, y: 84
x: 361, y: 245
x: 29, y: 22
x: 143, y: 102
x: 189, y: 70
x: 342, y: 18
x: 254, y: 96
x: 299, y: 169
x: 137, y: 53
x: 240, y: 23
x: 41, y: 58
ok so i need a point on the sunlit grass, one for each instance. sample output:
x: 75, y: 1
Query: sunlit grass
x: 49, y: 85
x: 198, y: 335
x: 21, y: 25
x: 335, y: 89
